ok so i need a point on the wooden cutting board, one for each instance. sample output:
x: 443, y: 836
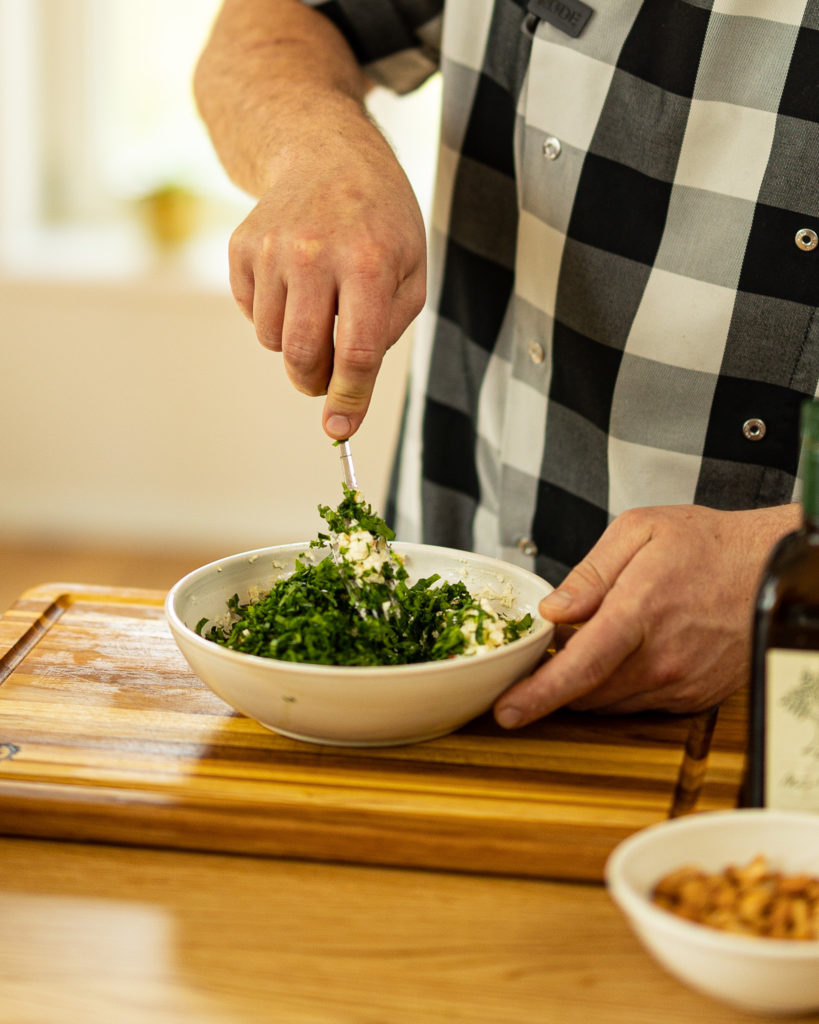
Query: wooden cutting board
x: 106, y: 735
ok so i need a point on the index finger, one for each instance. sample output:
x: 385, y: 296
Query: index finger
x: 592, y: 654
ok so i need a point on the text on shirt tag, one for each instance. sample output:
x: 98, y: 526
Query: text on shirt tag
x: 570, y: 16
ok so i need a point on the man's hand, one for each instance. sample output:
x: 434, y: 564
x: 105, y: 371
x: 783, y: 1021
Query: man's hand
x: 666, y: 597
x: 331, y: 263
x: 337, y: 234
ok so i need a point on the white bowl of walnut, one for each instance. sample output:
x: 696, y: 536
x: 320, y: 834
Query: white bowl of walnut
x: 746, y: 883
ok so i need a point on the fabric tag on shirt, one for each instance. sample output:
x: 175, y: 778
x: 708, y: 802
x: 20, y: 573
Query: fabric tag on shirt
x: 570, y: 16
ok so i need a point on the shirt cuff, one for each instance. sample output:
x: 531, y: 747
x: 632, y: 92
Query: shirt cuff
x: 397, y: 42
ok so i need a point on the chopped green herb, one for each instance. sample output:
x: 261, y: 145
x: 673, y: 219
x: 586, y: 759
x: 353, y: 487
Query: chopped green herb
x: 309, y: 616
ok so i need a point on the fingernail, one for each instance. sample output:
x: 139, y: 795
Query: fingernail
x: 557, y: 599
x: 338, y: 426
x: 509, y: 717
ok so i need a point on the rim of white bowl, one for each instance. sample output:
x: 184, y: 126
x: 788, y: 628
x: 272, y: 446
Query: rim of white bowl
x: 540, y: 624
x: 639, y: 906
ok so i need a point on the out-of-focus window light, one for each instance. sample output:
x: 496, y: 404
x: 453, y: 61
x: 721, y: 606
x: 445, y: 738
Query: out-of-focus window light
x: 97, y: 121
x: 98, y: 125
x: 142, y: 120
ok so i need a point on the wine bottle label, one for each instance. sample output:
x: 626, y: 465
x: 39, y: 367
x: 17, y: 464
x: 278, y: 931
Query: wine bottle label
x: 792, y: 729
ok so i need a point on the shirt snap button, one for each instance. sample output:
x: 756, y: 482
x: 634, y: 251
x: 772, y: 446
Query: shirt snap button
x: 527, y: 546
x: 536, y: 353
x: 551, y: 147
x: 754, y: 429
x: 806, y: 239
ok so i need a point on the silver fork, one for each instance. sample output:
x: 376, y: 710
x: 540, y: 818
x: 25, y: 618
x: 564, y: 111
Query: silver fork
x: 348, y: 471
x: 347, y: 467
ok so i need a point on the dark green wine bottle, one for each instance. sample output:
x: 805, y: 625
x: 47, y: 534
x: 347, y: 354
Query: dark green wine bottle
x: 783, y: 749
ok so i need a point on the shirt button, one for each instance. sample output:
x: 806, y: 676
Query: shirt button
x: 806, y: 238
x: 551, y: 147
x: 754, y: 429
x: 536, y: 353
x: 527, y: 546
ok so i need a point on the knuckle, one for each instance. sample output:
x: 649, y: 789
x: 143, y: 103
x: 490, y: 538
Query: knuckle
x: 236, y: 244
x: 370, y: 260
x: 666, y: 671
x: 634, y: 515
x: 268, y: 251
x: 250, y: 253
x: 673, y: 683
x: 635, y: 611
x: 361, y: 360
x: 306, y: 252
x: 639, y: 521
x: 587, y: 573
x: 300, y: 353
x: 305, y: 364
x: 240, y: 249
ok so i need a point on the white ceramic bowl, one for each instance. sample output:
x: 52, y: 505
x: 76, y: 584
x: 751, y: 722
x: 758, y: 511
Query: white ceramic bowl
x: 356, y: 706
x: 759, y: 975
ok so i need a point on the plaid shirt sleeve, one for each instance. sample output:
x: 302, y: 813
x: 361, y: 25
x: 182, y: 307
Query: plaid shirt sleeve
x: 396, y: 41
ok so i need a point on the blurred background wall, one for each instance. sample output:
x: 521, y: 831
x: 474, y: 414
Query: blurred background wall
x: 138, y: 409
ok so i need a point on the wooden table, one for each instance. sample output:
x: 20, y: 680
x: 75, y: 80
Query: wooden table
x: 214, y: 928
x: 108, y: 935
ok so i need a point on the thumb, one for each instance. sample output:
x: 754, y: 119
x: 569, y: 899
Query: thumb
x: 577, y: 598
x: 582, y: 592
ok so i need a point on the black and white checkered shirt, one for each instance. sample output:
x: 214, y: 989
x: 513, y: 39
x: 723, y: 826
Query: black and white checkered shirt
x: 624, y: 268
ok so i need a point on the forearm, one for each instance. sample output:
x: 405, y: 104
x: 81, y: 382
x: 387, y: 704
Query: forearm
x: 273, y: 75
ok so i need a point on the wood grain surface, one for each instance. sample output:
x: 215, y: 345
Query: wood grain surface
x: 97, y: 934
x: 106, y: 735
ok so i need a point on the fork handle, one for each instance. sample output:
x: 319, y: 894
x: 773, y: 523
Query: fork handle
x: 347, y: 467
